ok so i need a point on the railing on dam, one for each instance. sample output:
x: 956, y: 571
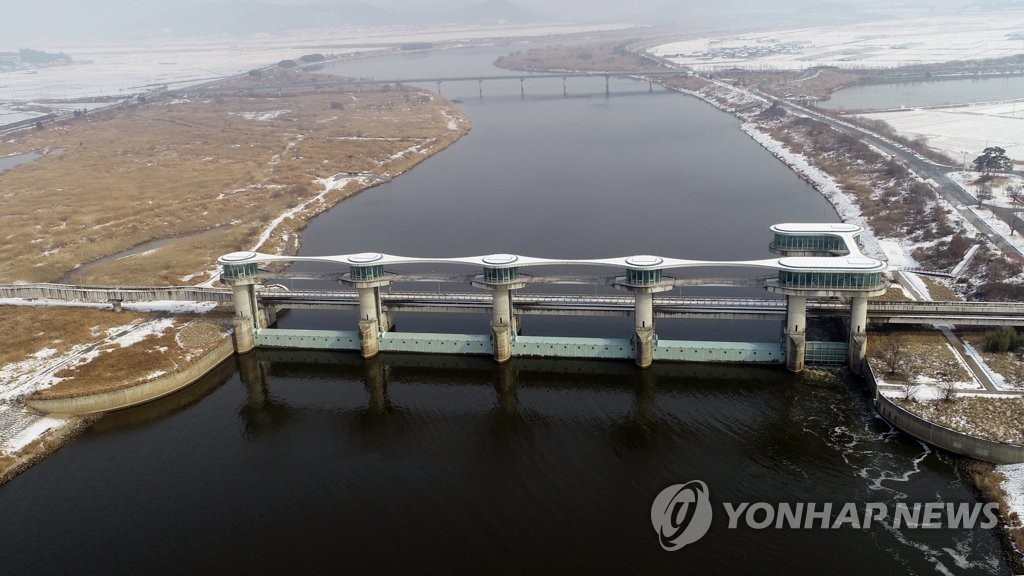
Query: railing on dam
x: 103, y: 294
x: 902, y: 312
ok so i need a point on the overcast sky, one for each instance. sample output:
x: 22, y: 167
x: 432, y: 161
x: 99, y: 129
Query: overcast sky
x: 61, y: 21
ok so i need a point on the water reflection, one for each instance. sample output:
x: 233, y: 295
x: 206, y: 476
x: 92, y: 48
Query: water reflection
x: 261, y: 412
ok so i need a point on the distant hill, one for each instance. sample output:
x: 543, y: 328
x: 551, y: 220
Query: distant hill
x: 263, y: 17
x: 491, y: 12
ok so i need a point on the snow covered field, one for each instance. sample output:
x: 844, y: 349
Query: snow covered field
x: 126, y: 69
x: 963, y: 129
x: 880, y: 44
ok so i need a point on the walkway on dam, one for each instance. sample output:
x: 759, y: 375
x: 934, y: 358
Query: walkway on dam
x: 902, y: 312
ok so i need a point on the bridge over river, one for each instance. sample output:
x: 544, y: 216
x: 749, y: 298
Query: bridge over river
x: 820, y: 273
x: 342, y: 82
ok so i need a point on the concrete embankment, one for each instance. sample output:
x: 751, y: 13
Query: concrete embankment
x: 80, y: 404
x: 941, y: 437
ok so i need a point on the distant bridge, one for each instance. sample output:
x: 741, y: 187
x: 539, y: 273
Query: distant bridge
x: 343, y: 82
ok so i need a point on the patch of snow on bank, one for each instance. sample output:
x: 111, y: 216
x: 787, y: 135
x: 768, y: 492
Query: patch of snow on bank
x: 27, y: 435
x: 845, y: 206
x: 333, y: 183
x: 453, y: 122
x: 898, y: 254
x: 262, y: 116
x: 1013, y: 486
x: 171, y: 306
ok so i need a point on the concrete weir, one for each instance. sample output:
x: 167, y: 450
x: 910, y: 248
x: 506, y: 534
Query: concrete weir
x: 525, y: 346
x: 81, y: 404
x: 817, y: 261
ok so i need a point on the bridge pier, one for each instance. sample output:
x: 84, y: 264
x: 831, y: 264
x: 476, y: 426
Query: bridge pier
x: 858, y: 333
x: 501, y: 323
x: 369, y: 321
x: 244, y: 298
x: 607, y: 86
x: 501, y: 277
x: 644, y: 278
x: 366, y: 274
x: 643, y: 329
x: 796, y: 332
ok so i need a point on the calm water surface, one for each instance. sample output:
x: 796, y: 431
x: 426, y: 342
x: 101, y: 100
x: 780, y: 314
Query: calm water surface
x: 933, y: 93
x: 323, y: 463
x: 8, y: 162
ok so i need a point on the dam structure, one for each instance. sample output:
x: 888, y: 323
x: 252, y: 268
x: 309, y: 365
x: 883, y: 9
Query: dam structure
x: 821, y: 262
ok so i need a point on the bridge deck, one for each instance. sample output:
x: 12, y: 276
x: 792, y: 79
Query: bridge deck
x: 905, y: 312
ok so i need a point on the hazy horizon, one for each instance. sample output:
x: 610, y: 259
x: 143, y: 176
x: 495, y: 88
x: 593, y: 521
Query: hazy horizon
x: 63, y: 22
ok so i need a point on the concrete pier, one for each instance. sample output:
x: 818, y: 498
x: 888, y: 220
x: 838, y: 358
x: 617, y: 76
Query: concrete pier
x: 502, y: 320
x: 643, y: 330
x: 858, y: 333
x: 369, y: 322
x: 244, y: 323
x: 796, y: 332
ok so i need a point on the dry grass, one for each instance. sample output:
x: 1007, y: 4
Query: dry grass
x: 996, y: 419
x: 989, y: 482
x: 892, y: 295
x: 600, y: 57
x: 1009, y: 365
x: 28, y: 329
x: 927, y: 354
x: 119, y: 367
x: 203, y: 171
x: 816, y: 83
x: 939, y: 290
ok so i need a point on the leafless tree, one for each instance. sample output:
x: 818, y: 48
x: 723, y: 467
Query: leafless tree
x: 909, y: 389
x: 893, y: 356
x: 1016, y: 193
x: 947, y: 391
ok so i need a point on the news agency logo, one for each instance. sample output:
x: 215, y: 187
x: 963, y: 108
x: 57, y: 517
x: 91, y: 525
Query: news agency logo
x: 682, y: 513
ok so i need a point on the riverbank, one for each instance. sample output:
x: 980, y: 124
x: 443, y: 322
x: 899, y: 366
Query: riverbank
x: 188, y: 179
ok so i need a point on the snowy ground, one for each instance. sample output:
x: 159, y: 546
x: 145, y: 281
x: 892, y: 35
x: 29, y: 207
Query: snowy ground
x: 1000, y: 195
x: 1014, y: 487
x: 20, y: 426
x: 962, y: 132
x: 880, y: 44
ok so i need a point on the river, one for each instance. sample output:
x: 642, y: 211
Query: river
x: 940, y: 92
x: 315, y: 463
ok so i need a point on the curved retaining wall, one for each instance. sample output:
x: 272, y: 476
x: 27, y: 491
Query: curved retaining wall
x: 951, y: 440
x: 139, y: 393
